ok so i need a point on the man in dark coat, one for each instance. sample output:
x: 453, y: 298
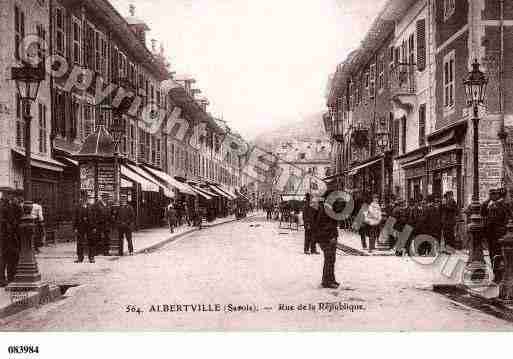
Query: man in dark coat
x: 125, y: 218
x: 325, y: 231
x: 448, y: 213
x: 496, y: 216
x: 171, y: 216
x: 308, y: 211
x: 84, y: 224
x: 103, y: 213
x: 12, y: 213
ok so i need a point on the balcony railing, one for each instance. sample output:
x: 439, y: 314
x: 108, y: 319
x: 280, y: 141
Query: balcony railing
x: 403, y: 79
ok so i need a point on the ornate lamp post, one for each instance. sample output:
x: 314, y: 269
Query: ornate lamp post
x: 28, y: 278
x: 117, y: 130
x: 475, y: 272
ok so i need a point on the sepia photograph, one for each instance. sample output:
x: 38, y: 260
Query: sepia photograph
x: 255, y: 166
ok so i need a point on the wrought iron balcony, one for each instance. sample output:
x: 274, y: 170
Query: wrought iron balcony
x: 403, y: 79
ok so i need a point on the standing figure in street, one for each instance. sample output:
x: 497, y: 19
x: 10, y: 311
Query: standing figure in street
x: 373, y: 217
x: 125, y: 219
x: 448, y: 213
x: 268, y: 210
x: 103, y: 214
x: 325, y: 230
x: 189, y: 214
x: 359, y: 223
x: 496, y: 215
x: 37, y: 212
x: 430, y: 224
x: 84, y: 224
x: 12, y: 213
x: 310, y: 247
x: 171, y: 217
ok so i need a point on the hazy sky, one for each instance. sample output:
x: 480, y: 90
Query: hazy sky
x: 259, y: 62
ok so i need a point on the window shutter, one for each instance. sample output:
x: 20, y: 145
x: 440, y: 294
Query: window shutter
x: 422, y: 125
x: 421, y: 44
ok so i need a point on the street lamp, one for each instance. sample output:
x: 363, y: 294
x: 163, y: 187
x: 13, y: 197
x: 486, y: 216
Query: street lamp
x: 475, y: 270
x: 117, y: 130
x: 28, y: 277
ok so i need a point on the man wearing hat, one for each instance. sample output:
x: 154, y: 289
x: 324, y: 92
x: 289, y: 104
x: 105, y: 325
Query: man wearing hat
x: 84, y: 224
x: 310, y: 246
x: 103, y: 215
x: 448, y: 213
x: 326, y: 234
x: 495, y: 216
x: 125, y: 218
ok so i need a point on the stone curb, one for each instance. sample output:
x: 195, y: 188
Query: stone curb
x: 162, y: 243
x: 34, y: 299
x: 29, y: 300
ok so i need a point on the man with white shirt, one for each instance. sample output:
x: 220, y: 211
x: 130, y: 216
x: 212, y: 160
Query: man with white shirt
x: 37, y: 213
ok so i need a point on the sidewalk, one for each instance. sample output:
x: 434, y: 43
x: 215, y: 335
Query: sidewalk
x: 57, y: 267
x: 354, y: 243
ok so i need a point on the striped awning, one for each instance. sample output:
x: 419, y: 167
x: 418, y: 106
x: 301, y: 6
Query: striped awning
x: 146, y: 184
x: 182, y: 187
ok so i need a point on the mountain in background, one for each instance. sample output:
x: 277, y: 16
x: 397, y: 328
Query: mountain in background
x: 310, y: 128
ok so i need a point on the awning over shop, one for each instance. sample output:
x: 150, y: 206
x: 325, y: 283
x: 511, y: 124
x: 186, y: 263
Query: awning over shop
x: 414, y: 163
x: 230, y: 195
x: 443, y: 150
x: 182, y: 187
x: 40, y: 161
x: 196, y: 186
x: 201, y: 193
x: 146, y: 184
x: 356, y: 169
x: 218, y: 192
x: 68, y: 160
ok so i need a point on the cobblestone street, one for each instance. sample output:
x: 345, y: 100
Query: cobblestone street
x: 252, y: 264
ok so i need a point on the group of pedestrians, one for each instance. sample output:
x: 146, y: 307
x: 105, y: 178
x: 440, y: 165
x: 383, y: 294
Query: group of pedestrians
x: 184, y: 214
x: 432, y: 216
x: 92, y: 224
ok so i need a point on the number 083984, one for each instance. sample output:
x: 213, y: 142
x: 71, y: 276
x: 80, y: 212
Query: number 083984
x: 23, y: 349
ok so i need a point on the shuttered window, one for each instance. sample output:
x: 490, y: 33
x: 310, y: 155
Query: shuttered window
x: 422, y: 125
x: 421, y: 44
x: 41, y: 50
x: 20, y: 123
x: 43, y: 148
x: 403, y: 135
x: 396, y: 137
x: 60, y: 34
x: 19, y: 30
x: 75, y: 118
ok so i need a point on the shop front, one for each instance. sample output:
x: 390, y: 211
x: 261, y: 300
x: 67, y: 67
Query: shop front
x: 444, y: 168
x: 46, y: 175
x: 415, y: 177
x: 374, y: 177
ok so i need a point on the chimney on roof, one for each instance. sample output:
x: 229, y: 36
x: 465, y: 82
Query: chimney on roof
x: 161, y: 49
x: 131, y: 10
x: 153, y: 45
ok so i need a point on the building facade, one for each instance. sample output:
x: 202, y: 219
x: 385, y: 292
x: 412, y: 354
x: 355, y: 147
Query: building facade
x: 431, y: 48
x: 19, y: 19
x: 102, y: 75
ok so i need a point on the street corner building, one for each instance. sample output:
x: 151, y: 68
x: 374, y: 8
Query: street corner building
x: 398, y: 115
x: 116, y: 121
